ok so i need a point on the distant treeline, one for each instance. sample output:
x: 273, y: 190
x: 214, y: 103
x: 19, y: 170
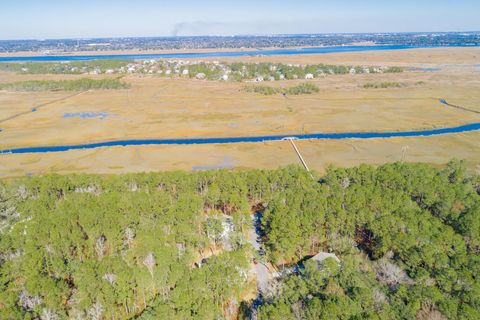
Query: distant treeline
x: 65, y: 85
x: 182, y: 42
x: 236, y: 71
x: 239, y: 71
x: 73, y: 67
x: 304, y: 88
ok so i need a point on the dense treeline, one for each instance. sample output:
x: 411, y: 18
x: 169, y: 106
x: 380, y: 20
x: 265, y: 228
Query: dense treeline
x: 240, y: 71
x: 119, y: 247
x: 66, y: 85
x: 304, y: 88
x: 236, y: 71
x: 408, y: 237
x: 153, y: 245
x: 70, y: 67
x: 279, y: 71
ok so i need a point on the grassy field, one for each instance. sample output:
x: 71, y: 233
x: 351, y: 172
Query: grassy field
x: 164, y: 108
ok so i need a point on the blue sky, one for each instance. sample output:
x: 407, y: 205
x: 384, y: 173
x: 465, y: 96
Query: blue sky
x: 40, y: 19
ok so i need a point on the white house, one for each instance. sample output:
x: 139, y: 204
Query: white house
x: 309, y: 76
x: 200, y: 76
x: 185, y: 72
x: 321, y: 256
x: 225, y: 77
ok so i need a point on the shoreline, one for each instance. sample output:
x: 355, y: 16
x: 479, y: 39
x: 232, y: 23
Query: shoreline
x: 207, y: 54
x: 246, y: 139
x: 165, y: 51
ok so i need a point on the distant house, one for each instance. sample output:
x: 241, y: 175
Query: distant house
x: 353, y: 71
x: 281, y: 77
x: 200, y: 76
x: 225, y: 77
x: 185, y: 72
x: 109, y: 71
x: 168, y: 72
x: 322, y: 256
x: 271, y: 78
x: 309, y: 76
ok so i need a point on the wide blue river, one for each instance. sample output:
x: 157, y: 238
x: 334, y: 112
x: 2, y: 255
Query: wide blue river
x: 193, y: 141
x: 219, y: 54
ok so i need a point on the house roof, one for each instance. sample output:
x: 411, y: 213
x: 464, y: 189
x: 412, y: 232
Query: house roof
x: 321, y: 256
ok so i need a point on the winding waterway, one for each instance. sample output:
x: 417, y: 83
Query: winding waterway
x: 223, y: 140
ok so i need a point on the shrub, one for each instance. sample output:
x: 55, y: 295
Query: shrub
x: 66, y: 85
x: 382, y: 85
x: 304, y: 88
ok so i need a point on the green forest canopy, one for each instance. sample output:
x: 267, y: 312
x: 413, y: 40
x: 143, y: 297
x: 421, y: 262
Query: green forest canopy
x: 141, y: 245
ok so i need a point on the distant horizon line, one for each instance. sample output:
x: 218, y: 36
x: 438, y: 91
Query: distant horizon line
x: 242, y: 35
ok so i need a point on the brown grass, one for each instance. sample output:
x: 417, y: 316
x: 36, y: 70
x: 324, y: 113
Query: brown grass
x: 162, y: 108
